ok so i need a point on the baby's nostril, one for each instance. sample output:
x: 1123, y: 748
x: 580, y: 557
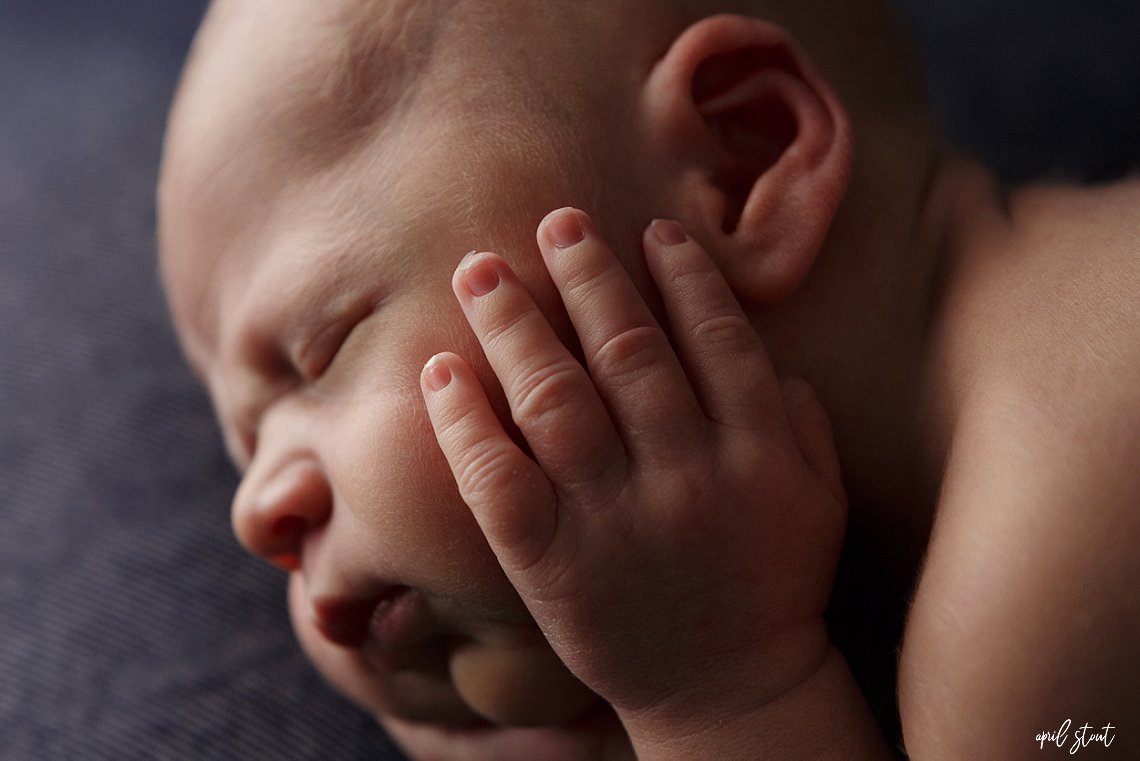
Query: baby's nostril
x: 287, y: 562
x: 289, y: 527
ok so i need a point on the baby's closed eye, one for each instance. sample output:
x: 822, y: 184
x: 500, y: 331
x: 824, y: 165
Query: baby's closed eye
x: 317, y: 353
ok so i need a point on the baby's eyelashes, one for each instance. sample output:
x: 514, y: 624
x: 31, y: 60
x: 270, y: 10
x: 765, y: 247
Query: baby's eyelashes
x: 318, y: 352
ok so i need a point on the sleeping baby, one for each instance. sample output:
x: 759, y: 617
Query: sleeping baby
x: 757, y: 423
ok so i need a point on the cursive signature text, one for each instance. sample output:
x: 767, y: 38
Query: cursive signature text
x: 1083, y: 737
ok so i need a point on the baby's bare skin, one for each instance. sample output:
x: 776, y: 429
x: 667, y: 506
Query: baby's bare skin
x: 696, y: 473
x: 1028, y: 569
x: 978, y: 355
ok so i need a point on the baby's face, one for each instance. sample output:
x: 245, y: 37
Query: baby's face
x: 312, y: 214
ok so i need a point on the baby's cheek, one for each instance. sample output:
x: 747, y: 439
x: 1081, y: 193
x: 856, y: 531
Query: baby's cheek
x: 517, y: 686
x: 408, y: 518
x: 393, y: 474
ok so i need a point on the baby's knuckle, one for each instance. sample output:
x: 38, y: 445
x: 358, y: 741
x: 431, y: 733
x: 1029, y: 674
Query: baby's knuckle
x: 546, y: 390
x: 686, y: 510
x: 728, y: 332
x: 586, y: 278
x: 692, y: 278
x: 485, y: 471
x: 690, y: 486
x: 772, y: 462
x: 506, y: 326
x: 626, y: 355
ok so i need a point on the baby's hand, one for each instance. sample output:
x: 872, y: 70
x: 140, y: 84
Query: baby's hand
x: 675, y: 532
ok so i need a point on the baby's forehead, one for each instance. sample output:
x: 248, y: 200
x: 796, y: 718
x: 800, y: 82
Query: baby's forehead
x: 313, y: 73
x: 275, y: 92
x: 270, y: 136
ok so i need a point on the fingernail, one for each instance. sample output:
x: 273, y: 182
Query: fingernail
x: 565, y: 230
x: 668, y: 232
x: 437, y: 374
x: 481, y: 278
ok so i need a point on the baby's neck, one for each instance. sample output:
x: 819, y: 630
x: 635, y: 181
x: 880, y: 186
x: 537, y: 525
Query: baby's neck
x: 968, y: 214
x: 874, y: 342
x: 963, y: 220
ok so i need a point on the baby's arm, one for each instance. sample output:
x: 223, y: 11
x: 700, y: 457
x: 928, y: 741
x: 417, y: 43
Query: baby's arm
x: 677, y: 530
x: 1028, y: 611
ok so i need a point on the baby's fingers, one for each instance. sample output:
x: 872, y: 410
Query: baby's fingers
x: 510, y: 497
x: 631, y: 362
x: 552, y: 398
x: 721, y: 351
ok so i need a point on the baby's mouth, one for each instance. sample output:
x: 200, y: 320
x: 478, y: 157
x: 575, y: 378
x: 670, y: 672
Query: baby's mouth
x: 504, y: 673
x: 351, y: 622
x: 393, y: 630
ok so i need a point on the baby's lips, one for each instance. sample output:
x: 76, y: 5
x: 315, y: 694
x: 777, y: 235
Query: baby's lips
x: 343, y: 622
x: 346, y: 621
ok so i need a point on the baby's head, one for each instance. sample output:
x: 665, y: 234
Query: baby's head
x: 328, y: 165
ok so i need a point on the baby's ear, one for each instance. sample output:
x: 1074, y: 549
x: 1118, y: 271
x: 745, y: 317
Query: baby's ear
x: 761, y: 146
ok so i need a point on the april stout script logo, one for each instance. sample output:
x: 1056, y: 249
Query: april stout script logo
x: 1083, y: 737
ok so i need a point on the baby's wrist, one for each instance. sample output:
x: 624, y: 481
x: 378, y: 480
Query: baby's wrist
x: 726, y: 685
x: 823, y: 715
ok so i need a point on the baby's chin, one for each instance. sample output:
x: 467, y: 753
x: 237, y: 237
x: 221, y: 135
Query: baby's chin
x: 518, y: 686
x: 454, y: 683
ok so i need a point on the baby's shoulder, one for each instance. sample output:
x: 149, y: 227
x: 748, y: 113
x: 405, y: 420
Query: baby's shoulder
x: 1056, y: 314
x: 1030, y: 576
x: 1054, y: 325
x: 1044, y: 454
x: 1070, y: 244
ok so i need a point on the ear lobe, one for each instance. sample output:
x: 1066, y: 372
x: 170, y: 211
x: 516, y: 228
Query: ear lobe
x: 764, y: 145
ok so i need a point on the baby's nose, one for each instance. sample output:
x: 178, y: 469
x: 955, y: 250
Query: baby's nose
x: 272, y: 516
